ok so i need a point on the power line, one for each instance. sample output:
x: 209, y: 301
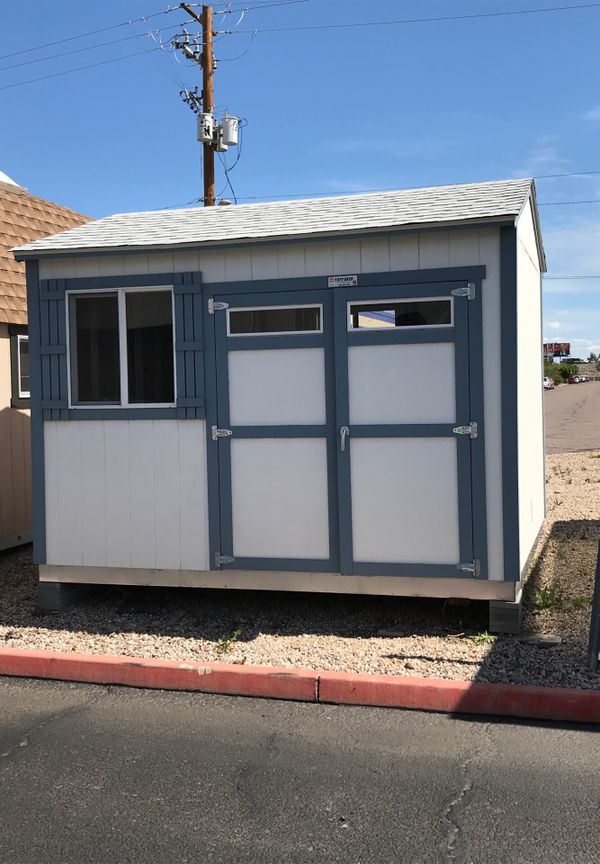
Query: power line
x: 504, y: 13
x: 563, y: 203
x: 570, y: 277
x: 89, y: 33
x: 79, y: 68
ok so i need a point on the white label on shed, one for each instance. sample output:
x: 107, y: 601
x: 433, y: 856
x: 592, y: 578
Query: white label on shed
x: 342, y: 281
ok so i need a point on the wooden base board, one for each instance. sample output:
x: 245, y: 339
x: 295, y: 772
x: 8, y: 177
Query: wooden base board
x: 263, y: 580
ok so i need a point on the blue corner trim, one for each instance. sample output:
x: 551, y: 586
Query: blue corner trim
x: 510, y: 419
x: 38, y: 499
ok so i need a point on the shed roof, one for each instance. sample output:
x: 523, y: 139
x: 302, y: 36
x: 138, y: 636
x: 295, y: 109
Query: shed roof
x: 24, y: 217
x: 381, y: 211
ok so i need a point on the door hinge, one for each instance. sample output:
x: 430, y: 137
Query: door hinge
x: 216, y: 306
x: 470, y: 430
x: 223, y: 559
x: 467, y: 291
x: 474, y: 568
x: 217, y: 433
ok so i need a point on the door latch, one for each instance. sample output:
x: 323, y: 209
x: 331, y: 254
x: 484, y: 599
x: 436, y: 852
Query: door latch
x: 344, y: 433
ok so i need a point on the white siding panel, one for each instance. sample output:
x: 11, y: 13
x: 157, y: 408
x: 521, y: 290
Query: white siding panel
x: 375, y: 255
x: 434, y: 250
x: 291, y: 262
x: 346, y: 257
x: 464, y: 248
x: 404, y: 252
x: 184, y: 262
x: 166, y: 483
x: 118, y: 495
x: 193, y: 495
x: 134, y: 265
x: 93, y: 494
x: 163, y: 262
x: 64, y: 534
x: 86, y: 267
x: 211, y: 265
x: 530, y: 406
x: 264, y: 262
x: 492, y: 371
x: 143, y: 492
x: 319, y: 258
x: 238, y: 265
x: 127, y: 494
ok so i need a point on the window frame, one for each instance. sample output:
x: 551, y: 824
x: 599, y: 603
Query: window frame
x: 18, y: 334
x: 275, y: 307
x: 120, y: 292
x: 399, y: 300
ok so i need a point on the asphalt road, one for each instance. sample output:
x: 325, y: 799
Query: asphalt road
x: 94, y: 774
x: 572, y: 414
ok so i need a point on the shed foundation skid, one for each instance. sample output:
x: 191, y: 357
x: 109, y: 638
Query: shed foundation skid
x: 315, y: 396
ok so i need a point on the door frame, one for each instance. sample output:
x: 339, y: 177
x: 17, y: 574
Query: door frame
x: 366, y: 282
x: 224, y: 344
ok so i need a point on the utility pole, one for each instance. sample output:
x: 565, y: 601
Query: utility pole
x: 215, y: 135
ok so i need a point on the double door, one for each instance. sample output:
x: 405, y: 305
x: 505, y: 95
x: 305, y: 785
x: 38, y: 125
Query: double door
x: 344, y: 431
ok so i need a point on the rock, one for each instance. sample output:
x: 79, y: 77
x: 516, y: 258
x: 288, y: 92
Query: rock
x: 542, y: 640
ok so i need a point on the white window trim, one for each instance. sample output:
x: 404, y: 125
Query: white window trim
x: 21, y: 337
x: 120, y: 291
x: 352, y: 329
x: 276, y: 306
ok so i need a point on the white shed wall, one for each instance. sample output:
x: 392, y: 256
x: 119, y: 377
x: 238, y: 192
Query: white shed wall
x: 530, y: 404
x: 126, y: 493
x: 412, y: 251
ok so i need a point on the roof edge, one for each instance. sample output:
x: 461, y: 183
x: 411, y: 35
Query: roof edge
x: 537, y: 226
x: 414, y: 227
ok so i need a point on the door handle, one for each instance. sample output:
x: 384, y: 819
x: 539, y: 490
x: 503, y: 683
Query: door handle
x: 344, y: 433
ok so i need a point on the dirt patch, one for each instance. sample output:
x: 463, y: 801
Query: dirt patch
x: 397, y: 636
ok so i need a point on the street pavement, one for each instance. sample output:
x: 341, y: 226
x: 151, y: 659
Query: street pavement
x: 97, y: 774
x: 572, y: 416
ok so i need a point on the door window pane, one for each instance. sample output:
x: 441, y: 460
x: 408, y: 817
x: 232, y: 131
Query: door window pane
x: 298, y: 319
x: 150, y: 347
x: 400, y: 313
x: 95, y: 370
x: 23, y: 343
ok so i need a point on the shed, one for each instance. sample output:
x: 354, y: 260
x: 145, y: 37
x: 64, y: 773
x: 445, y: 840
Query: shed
x: 23, y: 217
x: 337, y: 395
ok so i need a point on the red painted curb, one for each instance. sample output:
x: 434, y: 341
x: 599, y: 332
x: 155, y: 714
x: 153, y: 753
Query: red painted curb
x: 461, y: 697
x: 226, y: 678
x: 344, y: 688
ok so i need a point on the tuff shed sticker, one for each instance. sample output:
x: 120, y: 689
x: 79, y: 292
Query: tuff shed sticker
x: 342, y: 281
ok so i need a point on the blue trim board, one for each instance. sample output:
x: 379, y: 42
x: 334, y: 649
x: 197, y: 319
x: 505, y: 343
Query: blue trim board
x: 294, y: 431
x: 399, y: 336
x: 38, y: 500
x: 510, y: 419
x: 212, y: 451
x: 293, y: 340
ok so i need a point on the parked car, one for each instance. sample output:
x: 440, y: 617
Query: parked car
x: 574, y: 379
x: 583, y: 379
x: 548, y: 383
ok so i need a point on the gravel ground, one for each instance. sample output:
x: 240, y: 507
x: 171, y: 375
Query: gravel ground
x: 412, y: 637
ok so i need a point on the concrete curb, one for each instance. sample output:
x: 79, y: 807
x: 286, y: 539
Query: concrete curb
x: 343, y: 688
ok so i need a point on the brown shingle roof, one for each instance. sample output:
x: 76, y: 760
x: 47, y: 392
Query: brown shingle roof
x: 23, y: 218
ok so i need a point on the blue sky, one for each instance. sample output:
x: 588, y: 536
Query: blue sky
x: 329, y: 111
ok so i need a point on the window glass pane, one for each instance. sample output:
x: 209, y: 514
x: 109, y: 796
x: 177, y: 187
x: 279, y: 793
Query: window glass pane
x: 150, y: 347
x: 279, y: 320
x: 24, y: 367
x: 95, y: 375
x: 400, y: 313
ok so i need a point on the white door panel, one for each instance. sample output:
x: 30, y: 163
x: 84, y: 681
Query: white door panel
x: 402, y: 383
x: 405, y: 500
x: 280, y: 498
x: 277, y: 386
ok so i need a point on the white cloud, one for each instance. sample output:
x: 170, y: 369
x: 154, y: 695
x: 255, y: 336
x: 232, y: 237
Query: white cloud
x: 553, y: 325
x: 543, y: 158
x: 592, y: 114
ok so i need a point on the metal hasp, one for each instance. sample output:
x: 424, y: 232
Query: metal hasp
x: 470, y: 430
x: 344, y: 433
x: 216, y: 306
x: 224, y: 559
x: 217, y: 433
x: 467, y: 291
x: 473, y: 568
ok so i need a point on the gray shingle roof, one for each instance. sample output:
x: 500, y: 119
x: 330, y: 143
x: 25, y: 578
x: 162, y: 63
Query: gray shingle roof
x: 290, y: 219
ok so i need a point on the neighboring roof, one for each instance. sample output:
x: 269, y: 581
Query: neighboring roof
x: 24, y: 217
x: 460, y: 204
